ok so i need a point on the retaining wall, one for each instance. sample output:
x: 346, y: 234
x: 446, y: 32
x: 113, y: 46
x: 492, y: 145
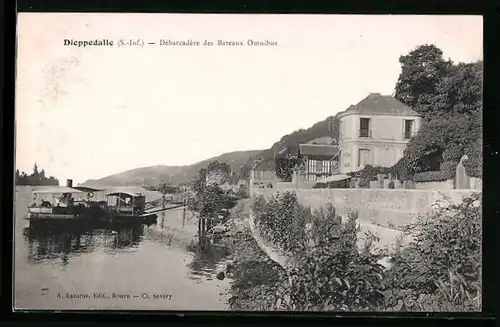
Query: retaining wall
x: 442, y: 185
x: 393, y: 208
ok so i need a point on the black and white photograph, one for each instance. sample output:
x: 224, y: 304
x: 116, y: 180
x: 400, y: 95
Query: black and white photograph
x: 248, y: 162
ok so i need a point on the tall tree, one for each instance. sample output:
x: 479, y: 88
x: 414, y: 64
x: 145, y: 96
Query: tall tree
x: 284, y: 167
x: 220, y: 167
x: 449, y: 97
x: 245, y: 171
x: 422, y: 71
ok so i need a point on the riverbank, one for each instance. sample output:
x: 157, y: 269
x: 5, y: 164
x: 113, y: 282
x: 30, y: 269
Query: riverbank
x: 256, y: 279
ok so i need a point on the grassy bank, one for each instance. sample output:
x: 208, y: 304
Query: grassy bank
x: 256, y: 278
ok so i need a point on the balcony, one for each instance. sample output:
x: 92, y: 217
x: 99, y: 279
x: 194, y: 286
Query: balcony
x: 365, y: 132
x: 409, y: 134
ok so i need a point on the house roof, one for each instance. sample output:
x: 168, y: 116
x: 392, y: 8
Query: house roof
x: 377, y: 104
x: 326, y: 140
x: 318, y: 150
x: 135, y: 191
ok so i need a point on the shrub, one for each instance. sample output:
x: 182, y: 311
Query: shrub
x: 431, y: 176
x: 402, y: 170
x: 333, y: 274
x: 282, y: 220
x: 449, y: 168
x: 258, y: 205
x: 447, y: 171
x: 453, y: 153
x: 242, y: 192
x: 438, y: 271
x: 369, y: 173
x: 443, y: 262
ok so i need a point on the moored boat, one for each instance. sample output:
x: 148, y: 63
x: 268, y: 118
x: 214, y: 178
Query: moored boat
x: 62, y: 204
x: 125, y: 206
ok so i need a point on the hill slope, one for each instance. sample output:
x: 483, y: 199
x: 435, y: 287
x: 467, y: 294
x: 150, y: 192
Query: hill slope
x: 291, y: 141
x: 176, y: 174
x: 184, y: 174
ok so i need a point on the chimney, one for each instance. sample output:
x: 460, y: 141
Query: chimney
x: 69, y: 183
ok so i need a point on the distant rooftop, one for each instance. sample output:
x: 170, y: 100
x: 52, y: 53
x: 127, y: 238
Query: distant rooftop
x: 264, y: 165
x: 377, y: 104
x: 318, y: 150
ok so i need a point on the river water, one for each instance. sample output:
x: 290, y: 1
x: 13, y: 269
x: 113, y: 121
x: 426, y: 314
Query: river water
x: 132, y: 268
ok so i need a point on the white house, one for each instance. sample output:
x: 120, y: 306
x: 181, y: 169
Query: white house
x: 375, y: 132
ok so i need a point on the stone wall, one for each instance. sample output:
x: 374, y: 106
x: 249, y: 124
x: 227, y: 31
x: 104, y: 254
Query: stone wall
x: 392, y: 208
x: 476, y: 183
x: 442, y: 185
x: 284, y: 186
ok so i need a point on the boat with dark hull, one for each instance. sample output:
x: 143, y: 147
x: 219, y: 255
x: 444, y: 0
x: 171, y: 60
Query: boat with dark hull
x: 59, y: 204
x: 127, y: 207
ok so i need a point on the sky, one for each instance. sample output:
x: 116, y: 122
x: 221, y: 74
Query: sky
x: 88, y: 112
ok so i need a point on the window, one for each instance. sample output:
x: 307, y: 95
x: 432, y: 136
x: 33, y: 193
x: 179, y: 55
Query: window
x: 408, y: 129
x: 364, y: 157
x: 312, y: 166
x: 364, y: 127
x: 334, y: 166
x: 319, y: 166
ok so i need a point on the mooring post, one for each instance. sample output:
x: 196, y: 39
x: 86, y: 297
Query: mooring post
x: 199, y: 231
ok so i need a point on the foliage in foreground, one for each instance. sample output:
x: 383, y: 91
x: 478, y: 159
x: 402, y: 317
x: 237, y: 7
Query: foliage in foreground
x: 369, y: 173
x: 441, y: 267
x: 438, y: 271
x: 283, y: 220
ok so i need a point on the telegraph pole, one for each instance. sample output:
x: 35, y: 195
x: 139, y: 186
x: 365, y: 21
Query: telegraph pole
x: 184, y: 208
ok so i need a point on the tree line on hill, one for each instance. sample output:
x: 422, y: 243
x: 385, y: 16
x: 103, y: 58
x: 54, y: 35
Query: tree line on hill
x: 214, y: 166
x: 36, y: 178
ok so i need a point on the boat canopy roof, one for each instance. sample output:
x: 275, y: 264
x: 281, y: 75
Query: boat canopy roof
x: 88, y: 189
x: 132, y: 194
x: 57, y: 189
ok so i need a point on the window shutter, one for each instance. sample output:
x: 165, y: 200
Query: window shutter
x: 403, y: 130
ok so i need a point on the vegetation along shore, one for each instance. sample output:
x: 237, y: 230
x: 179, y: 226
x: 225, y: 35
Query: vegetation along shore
x: 438, y: 271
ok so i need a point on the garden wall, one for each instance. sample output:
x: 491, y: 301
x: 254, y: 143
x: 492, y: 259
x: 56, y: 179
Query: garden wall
x: 284, y: 185
x: 476, y: 183
x: 441, y: 185
x: 392, y: 208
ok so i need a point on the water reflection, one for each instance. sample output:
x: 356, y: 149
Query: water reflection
x: 59, y: 244
x: 73, y: 258
x: 207, y: 263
